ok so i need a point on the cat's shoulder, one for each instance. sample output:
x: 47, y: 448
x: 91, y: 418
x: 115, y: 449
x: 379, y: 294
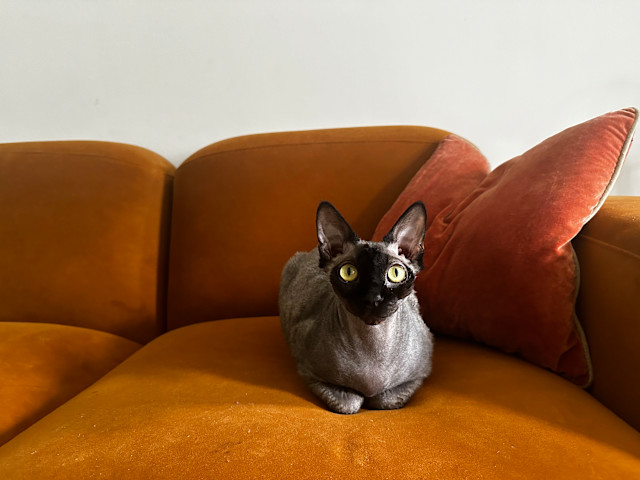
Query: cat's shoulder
x: 304, y: 258
x: 301, y: 262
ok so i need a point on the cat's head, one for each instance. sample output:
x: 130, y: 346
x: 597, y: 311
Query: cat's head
x: 370, y: 278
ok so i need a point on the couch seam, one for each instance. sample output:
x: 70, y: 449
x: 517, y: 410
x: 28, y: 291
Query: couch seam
x: 577, y: 324
x: 77, y: 327
x: 194, y: 158
x: 622, y: 156
x: 92, y: 155
x: 610, y: 246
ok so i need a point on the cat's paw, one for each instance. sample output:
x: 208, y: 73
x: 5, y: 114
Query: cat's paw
x: 338, y: 399
x: 393, y: 398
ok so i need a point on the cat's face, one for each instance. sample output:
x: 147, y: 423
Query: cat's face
x: 370, y: 281
x: 371, y: 278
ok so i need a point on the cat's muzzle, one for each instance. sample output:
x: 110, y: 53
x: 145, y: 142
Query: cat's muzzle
x: 373, y: 320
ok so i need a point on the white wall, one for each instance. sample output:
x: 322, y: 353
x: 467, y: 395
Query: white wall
x: 176, y: 75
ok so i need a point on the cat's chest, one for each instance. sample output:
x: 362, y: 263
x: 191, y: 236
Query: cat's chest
x: 370, y: 375
x: 369, y: 364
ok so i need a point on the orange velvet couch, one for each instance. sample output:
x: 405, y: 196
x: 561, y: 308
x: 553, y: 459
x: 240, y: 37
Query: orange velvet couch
x: 140, y: 338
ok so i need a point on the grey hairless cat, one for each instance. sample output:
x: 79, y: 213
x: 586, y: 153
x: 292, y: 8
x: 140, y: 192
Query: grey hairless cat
x: 350, y: 314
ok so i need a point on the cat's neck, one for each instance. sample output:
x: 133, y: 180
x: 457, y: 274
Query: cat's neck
x: 377, y: 342
x: 356, y: 328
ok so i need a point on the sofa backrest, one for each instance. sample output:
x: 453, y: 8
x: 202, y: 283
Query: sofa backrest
x: 243, y: 206
x: 83, y: 236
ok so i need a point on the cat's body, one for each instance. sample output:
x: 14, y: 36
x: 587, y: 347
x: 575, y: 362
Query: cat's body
x: 351, y: 317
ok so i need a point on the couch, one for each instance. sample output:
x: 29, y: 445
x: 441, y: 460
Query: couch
x: 140, y: 335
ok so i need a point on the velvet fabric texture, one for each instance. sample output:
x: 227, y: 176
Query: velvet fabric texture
x: 609, y: 304
x: 222, y: 400
x: 84, y: 229
x: 44, y: 365
x: 453, y: 171
x: 500, y: 268
x: 243, y: 206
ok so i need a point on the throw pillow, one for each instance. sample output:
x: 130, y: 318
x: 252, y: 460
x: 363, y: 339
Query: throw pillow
x: 499, y: 266
x: 452, y: 172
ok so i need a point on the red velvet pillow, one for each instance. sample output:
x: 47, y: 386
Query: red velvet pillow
x: 453, y: 171
x: 499, y: 266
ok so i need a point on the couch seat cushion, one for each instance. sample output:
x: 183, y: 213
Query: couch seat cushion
x: 44, y: 365
x: 222, y: 400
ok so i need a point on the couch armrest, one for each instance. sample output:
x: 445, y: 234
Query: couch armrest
x: 608, y: 306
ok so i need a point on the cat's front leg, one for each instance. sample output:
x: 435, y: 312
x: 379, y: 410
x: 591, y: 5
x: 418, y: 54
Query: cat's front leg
x: 337, y: 399
x: 393, y: 398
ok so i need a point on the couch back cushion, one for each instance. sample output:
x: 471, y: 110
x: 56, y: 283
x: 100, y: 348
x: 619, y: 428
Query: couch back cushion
x: 243, y: 206
x: 83, y: 236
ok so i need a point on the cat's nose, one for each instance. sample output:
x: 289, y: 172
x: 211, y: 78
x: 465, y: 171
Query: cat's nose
x: 375, y: 300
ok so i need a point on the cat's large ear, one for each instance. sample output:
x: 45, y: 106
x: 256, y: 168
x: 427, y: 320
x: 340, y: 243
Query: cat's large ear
x: 408, y: 233
x: 334, y: 233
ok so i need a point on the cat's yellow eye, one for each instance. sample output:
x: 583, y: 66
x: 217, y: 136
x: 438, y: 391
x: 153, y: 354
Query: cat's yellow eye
x: 348, y: 272
x: 396, y: 274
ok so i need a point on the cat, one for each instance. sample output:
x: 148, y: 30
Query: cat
x: 350, y: 315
